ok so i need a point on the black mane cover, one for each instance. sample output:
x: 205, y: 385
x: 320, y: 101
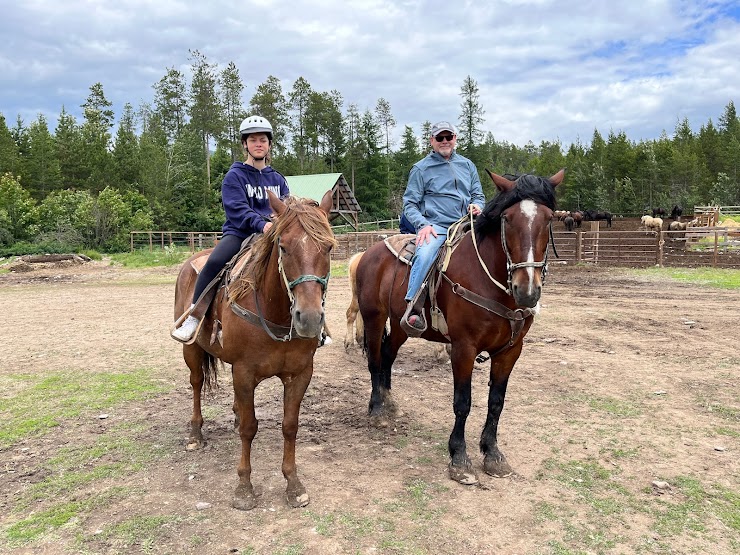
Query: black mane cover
x: 528, y: 187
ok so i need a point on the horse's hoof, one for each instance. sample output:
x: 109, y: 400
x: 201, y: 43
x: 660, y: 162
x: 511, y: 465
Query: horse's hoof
x: 498, y: 469
x: 379, y: 421
x: 464, y: 476
x: 244, y: 499
x: 297, y: 501
x: 195, y: 444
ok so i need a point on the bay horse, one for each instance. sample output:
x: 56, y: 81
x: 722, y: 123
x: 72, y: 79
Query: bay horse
x: 488, y: 295
x: 265, y: 323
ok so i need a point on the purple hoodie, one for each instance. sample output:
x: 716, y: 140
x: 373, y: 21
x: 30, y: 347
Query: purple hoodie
x: 244, y: 194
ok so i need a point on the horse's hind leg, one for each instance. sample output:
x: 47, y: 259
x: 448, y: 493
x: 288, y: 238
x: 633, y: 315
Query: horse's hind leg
x: 352, y: 314
x: 494, y: 462
x: 195, y: 358
x: 294, y: 390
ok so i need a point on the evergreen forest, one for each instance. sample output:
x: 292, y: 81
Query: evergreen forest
x: 158, y: 166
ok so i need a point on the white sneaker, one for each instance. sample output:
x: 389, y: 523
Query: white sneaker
x: 324, y: 340
x: 187, y: 329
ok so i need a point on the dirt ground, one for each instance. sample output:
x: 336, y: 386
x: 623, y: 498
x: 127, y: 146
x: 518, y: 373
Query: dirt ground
x: 625, y: 382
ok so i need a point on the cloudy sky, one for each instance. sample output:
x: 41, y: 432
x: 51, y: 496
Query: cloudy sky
x: 546, y: 70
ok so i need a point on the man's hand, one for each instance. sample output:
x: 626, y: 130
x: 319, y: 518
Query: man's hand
x: 267, y: 227
x: 423, y: 235
x: 474, y: 208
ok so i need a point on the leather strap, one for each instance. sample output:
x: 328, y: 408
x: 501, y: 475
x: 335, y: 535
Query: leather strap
x: 277, y: 332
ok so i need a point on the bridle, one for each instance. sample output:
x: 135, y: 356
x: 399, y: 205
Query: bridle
x: 510, y: 265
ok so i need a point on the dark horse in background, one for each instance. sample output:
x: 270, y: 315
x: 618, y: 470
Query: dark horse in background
x: 596, y: 215
x: 266, y: 323
x: 488, y: 296
x: 658, y: 212
x: 676, y: 212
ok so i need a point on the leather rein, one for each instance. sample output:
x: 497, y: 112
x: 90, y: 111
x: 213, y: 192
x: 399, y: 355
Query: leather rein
x: 516, y: 317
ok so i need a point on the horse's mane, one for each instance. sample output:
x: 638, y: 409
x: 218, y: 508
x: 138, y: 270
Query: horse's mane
x: 538, y: 189
x: 304, y: 212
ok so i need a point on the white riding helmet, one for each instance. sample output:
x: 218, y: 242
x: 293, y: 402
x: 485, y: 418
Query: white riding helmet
x: 255, y: 124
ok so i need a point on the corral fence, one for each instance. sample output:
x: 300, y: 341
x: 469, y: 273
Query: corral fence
x: 192, y: 240
x: 717, y: 247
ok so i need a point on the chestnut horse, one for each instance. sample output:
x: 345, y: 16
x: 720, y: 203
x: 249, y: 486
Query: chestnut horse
x: 488, y: 295
x: 267, y: 323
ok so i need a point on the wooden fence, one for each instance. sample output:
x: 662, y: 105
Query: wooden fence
x: 695, y: 247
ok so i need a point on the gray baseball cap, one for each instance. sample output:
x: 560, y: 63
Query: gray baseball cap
x: 437, y: 128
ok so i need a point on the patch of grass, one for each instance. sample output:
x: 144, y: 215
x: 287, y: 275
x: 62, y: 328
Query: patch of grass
x: 169, y: 256
x: 293, y: 549
x: 699, y: 504
x: 613, y: 406
x: 41, y: 402
x: 712, y: 277
x: 322, y: 523
x: 727, y: 432
x: 76, y: 467
x: 719, y: 410
x: 42, y: 522
x: 339, y: 268
x: 138, y: 530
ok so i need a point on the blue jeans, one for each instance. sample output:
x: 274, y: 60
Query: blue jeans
x: 423, y: 259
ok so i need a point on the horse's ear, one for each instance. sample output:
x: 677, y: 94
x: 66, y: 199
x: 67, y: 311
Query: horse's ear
x: 557, y: 178
x: 278, y: 206
x: 327, y: 202
x: 502, y: 184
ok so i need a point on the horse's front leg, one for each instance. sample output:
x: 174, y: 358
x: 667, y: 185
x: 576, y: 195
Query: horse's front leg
x: 244, y: 498
x: 460, y: 468
x: 494, y: 462
x: 294, y: 389
x: 194, y: 357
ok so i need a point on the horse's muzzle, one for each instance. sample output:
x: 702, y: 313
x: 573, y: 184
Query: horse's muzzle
x: 526, y: 296
x: 308, y: 323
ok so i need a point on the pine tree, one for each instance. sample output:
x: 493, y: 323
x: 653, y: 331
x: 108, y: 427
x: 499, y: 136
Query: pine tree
x: 170, y: 101
x: 471, y: 116
x: 206, y: 113
x: 9, y: 155
x: 270, y: 103
x: 126, y: 155
x: 299, y: 98
x: 233, y: 106
x: 69, y: 147
x: 96, y: 138
x: 43, y: 165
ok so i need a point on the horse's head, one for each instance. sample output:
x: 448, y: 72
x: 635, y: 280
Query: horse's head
x: 523, y: 209
x: 304, y: 240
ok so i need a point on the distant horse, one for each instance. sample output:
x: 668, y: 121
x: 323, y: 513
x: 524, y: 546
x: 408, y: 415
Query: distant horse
x: 658, y: 212
x: 569, y: 223
x: 354, y: 320
x: 577, y: 217
x: 488, y: 296
x: 266, y: 323
x: 596, y: 215
x: 676, y: 212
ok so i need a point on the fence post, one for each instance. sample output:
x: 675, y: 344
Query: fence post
x: 579, y: 247
x: 151, y: 246
x: 132, y: 241
x: 716, y: 245
x: 661, y: 242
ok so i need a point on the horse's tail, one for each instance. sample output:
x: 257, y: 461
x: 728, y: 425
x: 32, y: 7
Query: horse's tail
x: 210, y: 367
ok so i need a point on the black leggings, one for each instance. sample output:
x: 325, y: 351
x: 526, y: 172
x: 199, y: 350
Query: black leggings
x: 226, y: 248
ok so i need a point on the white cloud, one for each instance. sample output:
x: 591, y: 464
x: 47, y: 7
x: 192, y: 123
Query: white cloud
x: 546, y: 70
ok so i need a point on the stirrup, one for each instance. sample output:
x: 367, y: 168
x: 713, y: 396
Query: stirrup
x: 413, y: 331
x: 190, y: 340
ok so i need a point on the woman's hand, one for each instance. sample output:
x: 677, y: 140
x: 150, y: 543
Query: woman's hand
x: 267, y: 227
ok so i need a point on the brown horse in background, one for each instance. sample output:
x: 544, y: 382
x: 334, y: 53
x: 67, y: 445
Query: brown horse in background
x: 266, y: 323
x: 488, y: 295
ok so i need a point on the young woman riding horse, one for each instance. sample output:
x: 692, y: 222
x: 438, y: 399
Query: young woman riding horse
x: 266, y: 323
x: 488, y: 295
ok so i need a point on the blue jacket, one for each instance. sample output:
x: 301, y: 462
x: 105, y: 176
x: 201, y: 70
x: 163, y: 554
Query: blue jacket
x: 244, y: 195
x: 439, y: 191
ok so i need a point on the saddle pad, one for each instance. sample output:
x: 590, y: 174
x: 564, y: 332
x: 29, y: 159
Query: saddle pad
x: 198, y: 263
x: 402, y: 245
